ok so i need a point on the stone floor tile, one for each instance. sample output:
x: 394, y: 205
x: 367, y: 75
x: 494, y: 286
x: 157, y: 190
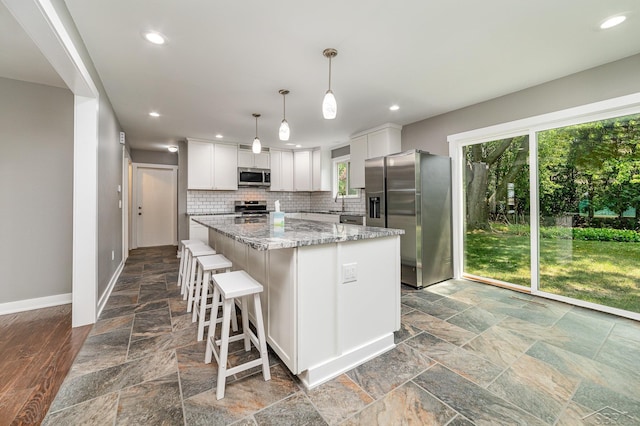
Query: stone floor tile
x: 168, y: 341
x: 338, y: 399
x: 536, y: 387
x: 475, y: 319
x: 101, y: 351
x: 389, y: 370
x: 472, y: 401
x: 499, y: 345
x: 88, y: 386
x: 98, y: 411
x: 437, y: 310
x: 447, y: 331
x: 154, y: 402
x: 151, y: 323
x: 597, y: 397
x: 242, y: 398
x: 296, y: 410
x: 579, y: 334
x: 112, y: 324
x: 406, y: 331
x: 408, y: 404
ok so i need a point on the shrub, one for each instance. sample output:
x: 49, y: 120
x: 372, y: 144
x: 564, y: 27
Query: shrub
x: 564, y: 233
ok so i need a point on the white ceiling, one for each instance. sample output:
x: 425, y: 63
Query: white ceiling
x: 227, y: 59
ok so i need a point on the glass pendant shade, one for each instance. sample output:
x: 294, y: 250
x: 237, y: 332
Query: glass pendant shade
x: 256, y: 147
x: 329, y: 106
x: 284, y: 131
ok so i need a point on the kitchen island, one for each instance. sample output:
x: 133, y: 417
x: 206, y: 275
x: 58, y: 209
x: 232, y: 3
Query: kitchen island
x: 331, y: 297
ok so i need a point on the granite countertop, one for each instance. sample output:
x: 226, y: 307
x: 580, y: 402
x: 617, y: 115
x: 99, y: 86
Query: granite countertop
x: 336, y: 212
x: 261, y: 235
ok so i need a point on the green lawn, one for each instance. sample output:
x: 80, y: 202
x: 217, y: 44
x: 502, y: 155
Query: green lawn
x: 607, y: 273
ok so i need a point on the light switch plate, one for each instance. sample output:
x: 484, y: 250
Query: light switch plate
x: 349, y: 272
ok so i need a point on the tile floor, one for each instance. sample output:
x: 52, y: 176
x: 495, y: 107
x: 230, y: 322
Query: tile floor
x: 467, y: 353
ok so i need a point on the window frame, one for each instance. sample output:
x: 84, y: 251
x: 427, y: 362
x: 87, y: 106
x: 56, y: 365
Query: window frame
x: 334, y: 178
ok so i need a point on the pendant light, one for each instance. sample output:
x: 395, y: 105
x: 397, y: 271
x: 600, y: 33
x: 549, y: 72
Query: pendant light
x: 257, y: 146
x: 284, y: 126
x: 329, y: 106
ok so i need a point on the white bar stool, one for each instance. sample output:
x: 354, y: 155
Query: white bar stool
x: 229, y: 286
x: 183, y: 275
x: 188, y: 287
x: 206, y: 266
x: 183, y: 255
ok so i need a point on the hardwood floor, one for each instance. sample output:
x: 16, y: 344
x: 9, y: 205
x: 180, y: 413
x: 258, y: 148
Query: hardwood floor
x: 37, y: 349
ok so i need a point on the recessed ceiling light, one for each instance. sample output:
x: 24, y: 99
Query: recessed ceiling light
x: 613, y: 21
x: 154, y: 114
x: 155, y: 38
x: 298, y: 146
x: 394, y: 107
x: 290, y: 144
x: 173, y: 148
x: 219, y: 136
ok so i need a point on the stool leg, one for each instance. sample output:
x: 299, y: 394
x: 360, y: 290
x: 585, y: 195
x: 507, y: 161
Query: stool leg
x: 211, y: 335
x: 190, y: 282
x: 234, y: 315
x: 245, y: 323
x: 186, y: 273
x: 203, y: 306
x: 224, y: 348
x: 194, y: 294
x: 181, y: 266
x: 264, y: 355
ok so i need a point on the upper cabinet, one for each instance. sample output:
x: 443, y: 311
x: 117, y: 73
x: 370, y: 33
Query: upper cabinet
x: 281, y: 162
x: 212, y: 165
x: 246, y: 158
x: 302, y: 167
x: 377, y: 142
x: 321, y: 170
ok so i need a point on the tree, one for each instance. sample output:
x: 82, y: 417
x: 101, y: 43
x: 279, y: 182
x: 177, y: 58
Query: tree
x: 490, y: 166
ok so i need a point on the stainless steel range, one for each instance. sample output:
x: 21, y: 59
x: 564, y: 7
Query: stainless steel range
x: 251, y: 207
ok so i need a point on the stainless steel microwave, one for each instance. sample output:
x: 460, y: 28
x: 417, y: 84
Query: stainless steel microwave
x: 254, y: 177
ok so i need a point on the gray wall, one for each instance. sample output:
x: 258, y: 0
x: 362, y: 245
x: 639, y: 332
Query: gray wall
x: 154, y: 157
x: 604, y: 82
x: 109, y: 166
x: 36, y: 190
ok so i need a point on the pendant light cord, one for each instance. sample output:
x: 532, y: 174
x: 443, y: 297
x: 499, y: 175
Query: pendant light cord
x: 284, y: 107
x: 329, y: 72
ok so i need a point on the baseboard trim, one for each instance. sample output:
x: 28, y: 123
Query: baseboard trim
x: 36, y: 303
x: 105, y: 296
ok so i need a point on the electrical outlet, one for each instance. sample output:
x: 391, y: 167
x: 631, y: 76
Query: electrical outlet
x: 349, y: 272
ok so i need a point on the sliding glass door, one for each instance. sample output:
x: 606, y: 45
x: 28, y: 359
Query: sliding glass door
x: 496, y: 202
x: 589, y: 201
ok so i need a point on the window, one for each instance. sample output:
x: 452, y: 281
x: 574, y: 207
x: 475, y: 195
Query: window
x: 341, y: 178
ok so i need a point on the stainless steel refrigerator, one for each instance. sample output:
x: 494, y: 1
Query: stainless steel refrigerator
x: 412, y: 191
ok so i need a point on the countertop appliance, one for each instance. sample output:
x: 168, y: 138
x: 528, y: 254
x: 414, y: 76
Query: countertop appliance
x: 254, y: 177
x: 412, y: 191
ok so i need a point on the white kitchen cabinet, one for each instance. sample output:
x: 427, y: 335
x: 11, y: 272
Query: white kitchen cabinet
x: 377, y: 142
x: 302, y: 171
x: 321, y: 170
x: 246, y: 158
x: 212, y: 165
x: 281, y: 170
x: 200, y: 165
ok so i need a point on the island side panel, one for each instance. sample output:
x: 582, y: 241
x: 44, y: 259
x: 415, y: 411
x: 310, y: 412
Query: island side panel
x: 318, y: 301
x: 282, y: 309
x: 339, y: 321
x: 370, y: 306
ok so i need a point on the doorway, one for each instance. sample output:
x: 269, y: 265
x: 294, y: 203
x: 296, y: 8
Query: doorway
x: 154, y: 205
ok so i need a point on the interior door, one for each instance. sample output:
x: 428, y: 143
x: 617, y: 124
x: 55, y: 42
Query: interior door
x: 156, y: 206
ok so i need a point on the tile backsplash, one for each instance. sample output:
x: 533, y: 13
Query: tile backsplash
x: 207, y: 202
